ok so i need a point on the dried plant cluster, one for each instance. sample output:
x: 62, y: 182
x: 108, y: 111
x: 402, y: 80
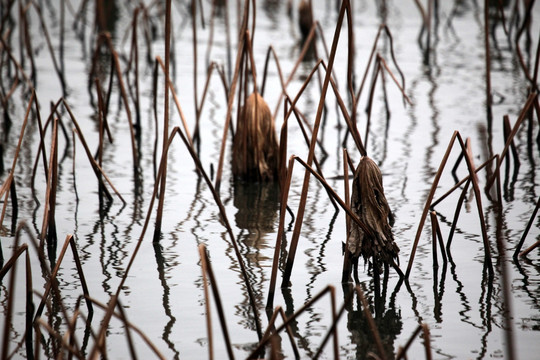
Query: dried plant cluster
x: 259, y: 154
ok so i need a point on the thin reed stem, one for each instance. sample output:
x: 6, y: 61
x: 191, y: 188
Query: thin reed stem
x: 208, y: 272
x: 345, y: 6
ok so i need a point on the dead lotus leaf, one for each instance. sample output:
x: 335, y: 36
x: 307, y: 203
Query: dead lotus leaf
x: 255, y: 147
x: 369, y: 204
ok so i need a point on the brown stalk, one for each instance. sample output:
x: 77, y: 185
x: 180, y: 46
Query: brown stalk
x: 332, y: 331
x: 51, y: 50
x: 264, y: 340
x: 98, y: 347
x: 529, y: 249
x: 472, y: 173
x: 456, y: 215
x: 208, y: 272
x: 371, y: 322
x: 345, y: 6
x: 526, y: 20
x: 131, y: 326
x: 294, y: 109
x: 536, y: 66
x: 11, y: 264
x: 48, y: 228
x: 59, y: 338
x: 351, y: 123
x: 376, y: 72
x: 284, y: 186
x: 346, y: 189
x: 271, y: 330
x: 204, y: 266
x: 283, y: 143
x: 252, y: 67
x: 401, y: 88
x: 225, y: 221
x: 107, y: 38
x: 373, y: 55
x: 41, y: 141
x: 47, y: 273
x: 134, y: 58
x: 489, y: 99
x: 156, y: 121
x: 70, y: 241
x: 303, y: 53
x: 102, y: 124
x: 350, y: 58
x: 507, y: 128
x: 522, y: 115
x: 147, y: 33
x: 527, y: 228
x: 210, y: 70
x: 461, y: 182
x: 80, y: 272
x: 29, y: 306
x: 300, y: 116
x: 176, y: 100
x: 97, y: 169
x: 427, y: 345
x: 347, y: 259
x: 18, y: 67
x: 272, y: 51
x: 114, y: 298
x: 466, y: 148
x: 505, y: 286
x: 9, y: 179
x: 195, y: 61
x: 436, y: 236
x: 132, y: 352
x: 27, y: 40
x: 402, y: 351
x: 239, y: 58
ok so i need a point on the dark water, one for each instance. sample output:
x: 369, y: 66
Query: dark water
x: 163, y: 294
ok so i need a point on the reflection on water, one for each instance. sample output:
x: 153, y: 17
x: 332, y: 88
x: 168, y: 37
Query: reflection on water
x: 257, y: 206
x: 161, y: 264
x: 387, y: 319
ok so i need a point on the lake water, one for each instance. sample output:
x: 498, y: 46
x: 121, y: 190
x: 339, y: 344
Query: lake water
x: 163, y: 294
